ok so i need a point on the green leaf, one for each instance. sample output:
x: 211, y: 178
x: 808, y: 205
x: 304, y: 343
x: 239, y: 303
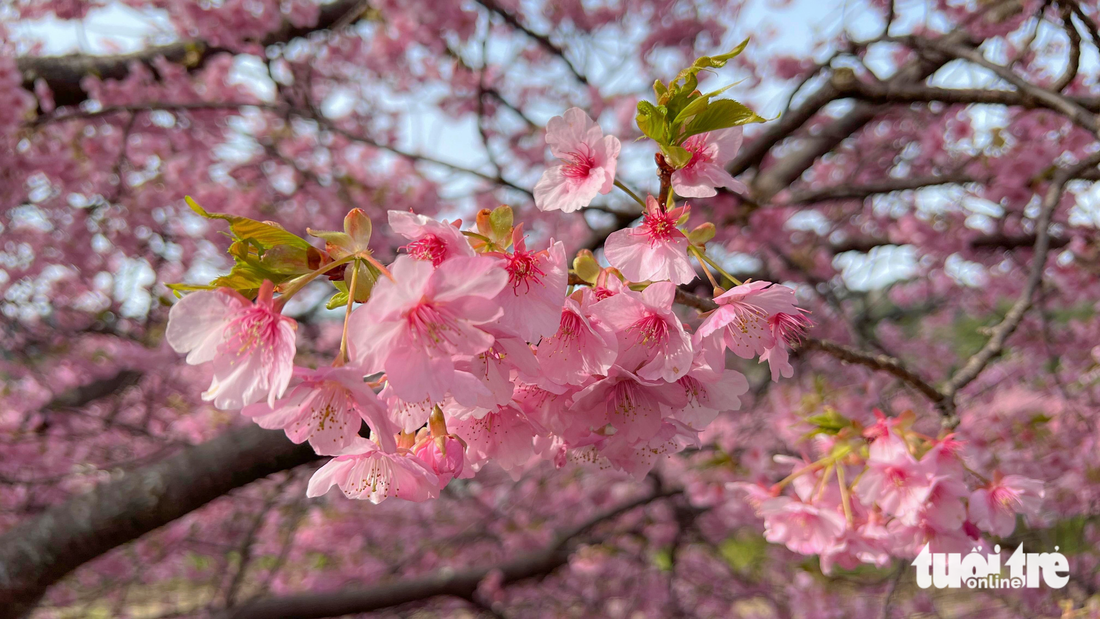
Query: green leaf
x: 689, y: 75
x: 262, y: 233
x: 677, y: 156
x: 659, y: 90
x: 653, y: 121
x: 261, y: 251
x: 340, y: 299
x: 179, y: 289
x: 287, y: 260
x: 695, y: 107
x: 720, y: 114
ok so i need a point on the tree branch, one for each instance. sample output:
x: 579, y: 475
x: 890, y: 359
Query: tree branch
x: 543, y: 40
x: 63, y: 74
x: 1000, y: 333
x: 36, y: 553
x: 886, y: 185
x: 882, y: 363
x: 445, y: 582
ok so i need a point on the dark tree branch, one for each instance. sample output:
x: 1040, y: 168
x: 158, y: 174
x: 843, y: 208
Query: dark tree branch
x: 446, y: 582
x: 886, y: 185
x: 1000, y: 333
x: 1054, y: 101
x: 882, y: 363
x: 544, y: 41
x: 86, y: 394
x: 63, y: 74
x: 36, y: 553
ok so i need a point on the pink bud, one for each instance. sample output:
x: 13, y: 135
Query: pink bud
x: 445, y: 456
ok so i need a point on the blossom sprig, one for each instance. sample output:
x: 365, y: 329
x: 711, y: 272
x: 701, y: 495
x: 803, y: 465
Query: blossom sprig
x: 480, y: 347
x: 885, y: 491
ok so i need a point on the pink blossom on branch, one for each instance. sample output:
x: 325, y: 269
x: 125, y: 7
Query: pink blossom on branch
x: 802, y: 527
x: 251, y: 344
x: 581, y: 348
x: 327, y: 408
x: 589, y: 159
x: 654, y: 251
x: 430, y: 240
x: 993, y: 508
x: 630, y: 404
x: 894, y: 480
x: 652, y: 341
x: 411, y: 328
x: 533, y: 298
x: 706, y: 171
x: 742, y: 322
x: 363, y: 471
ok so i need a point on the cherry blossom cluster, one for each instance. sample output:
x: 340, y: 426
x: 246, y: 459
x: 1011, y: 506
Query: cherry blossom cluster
x: 885, y: 491
x: 472, y: 347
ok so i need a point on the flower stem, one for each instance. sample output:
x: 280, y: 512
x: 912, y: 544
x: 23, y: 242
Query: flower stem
x: 302, y: 281
x: 342, y: 358
x: 800, y: 472
x: 845, y: 497
x: 630, y: 193
x: 718, y: 268
x: 702, y: 263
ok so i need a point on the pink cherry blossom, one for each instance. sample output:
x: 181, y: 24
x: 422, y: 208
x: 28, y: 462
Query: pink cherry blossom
x: 406, y: 416
x: 433, y: 241
x: 504, y: 435
x: 326, y: 407
x: 710, y: 152
x: 651, y: 339
x: 412, y: 328
x: 363, y: 471
x: 787, y: 329
x: 944, y: 508
x: 250, y: 344
x: 654, y: 251
x: 894, y: 480
x: 993, y: 508
x: 535, y: 292
x: 489, y: 378
x: 589, y: 163
x: 741, y: 322
x: 580, y: 349
x: 638, y: 457
x: 630, y: 404
x: 802, y: 527
x: 709, y: 391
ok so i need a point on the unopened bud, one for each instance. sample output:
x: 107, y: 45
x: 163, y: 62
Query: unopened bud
x: 444, y: 455
x: 702, y: 233
x: 358, y: 227
x: 437, y: 423
x: 586, y: 267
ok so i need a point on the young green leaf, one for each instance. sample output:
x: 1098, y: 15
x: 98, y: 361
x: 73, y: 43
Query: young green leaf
x: 262, y: 233
x: 653, y: 121
x: 720, y: 114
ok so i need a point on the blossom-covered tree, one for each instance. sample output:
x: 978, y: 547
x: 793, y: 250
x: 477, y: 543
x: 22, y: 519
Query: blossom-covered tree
x: 615, y: 345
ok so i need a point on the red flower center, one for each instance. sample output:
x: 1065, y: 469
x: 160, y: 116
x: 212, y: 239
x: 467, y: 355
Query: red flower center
x: 579, y: 164
x: 430, y: 248
x: 650, y: 330
x: 523, y: 268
